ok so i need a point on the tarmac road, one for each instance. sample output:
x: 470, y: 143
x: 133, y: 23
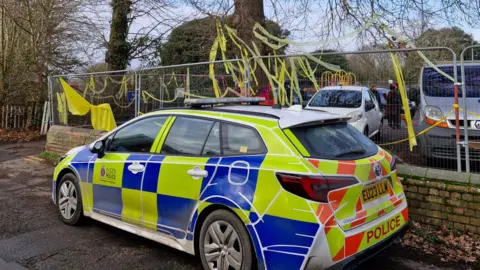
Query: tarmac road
x: 33, y: 237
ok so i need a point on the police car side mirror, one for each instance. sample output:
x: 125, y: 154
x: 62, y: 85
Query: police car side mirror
x: 98, y: 148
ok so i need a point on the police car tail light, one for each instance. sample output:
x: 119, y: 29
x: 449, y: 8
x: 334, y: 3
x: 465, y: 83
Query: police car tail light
x: 315, y: 188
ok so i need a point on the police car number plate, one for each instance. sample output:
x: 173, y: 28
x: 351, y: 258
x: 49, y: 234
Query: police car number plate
x: 375, y: 191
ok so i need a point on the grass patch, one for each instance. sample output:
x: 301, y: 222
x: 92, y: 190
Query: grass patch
x: 51, y: 157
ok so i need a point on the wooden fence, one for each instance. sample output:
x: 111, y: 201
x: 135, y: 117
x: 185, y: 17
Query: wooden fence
x: 21, y: 117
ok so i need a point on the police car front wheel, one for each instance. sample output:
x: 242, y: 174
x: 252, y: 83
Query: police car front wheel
x: 69, y: 201
x: 224, y: 242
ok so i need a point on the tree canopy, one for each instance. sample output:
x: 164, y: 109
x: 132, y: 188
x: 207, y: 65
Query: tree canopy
x: 334, y: 18
x: 451, y: 37
x: 192, y: 41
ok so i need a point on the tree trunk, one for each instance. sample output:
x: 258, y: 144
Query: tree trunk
x: 246, y: 14
x: 118, y: 47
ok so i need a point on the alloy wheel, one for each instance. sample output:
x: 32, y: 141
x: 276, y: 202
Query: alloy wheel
x: 67, y: 201
x: 223, y: 249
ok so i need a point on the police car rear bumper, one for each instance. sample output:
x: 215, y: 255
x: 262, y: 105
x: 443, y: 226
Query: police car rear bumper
x: 320, y: 260
x: 363, y: 256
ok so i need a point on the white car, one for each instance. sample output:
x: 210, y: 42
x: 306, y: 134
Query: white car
x: 357, y: 102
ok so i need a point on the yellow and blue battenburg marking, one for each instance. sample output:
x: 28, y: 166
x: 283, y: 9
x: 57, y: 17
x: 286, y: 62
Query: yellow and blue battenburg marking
x: 283, y: 227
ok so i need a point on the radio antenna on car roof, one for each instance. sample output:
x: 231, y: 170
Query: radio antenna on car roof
x: 199, y: 102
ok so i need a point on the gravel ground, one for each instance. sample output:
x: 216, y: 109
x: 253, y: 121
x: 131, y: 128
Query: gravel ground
x: 32, y: 235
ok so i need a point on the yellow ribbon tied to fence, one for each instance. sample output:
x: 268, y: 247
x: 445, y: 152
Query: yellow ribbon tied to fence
x: 403, y: 94
x: 62, y: 108
x: 101, y: 115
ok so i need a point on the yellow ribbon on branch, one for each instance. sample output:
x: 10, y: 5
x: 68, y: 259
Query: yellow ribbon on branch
x: 411, y: 45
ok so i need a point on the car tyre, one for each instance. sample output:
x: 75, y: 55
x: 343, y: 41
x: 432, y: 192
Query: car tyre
x: 224, y: 240
x: 69, y: 200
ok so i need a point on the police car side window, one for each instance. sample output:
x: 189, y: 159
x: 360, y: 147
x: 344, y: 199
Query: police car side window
x: 187, y: 137
x: 212, y: 145
x: 137, y: 137
x: 238, y: 140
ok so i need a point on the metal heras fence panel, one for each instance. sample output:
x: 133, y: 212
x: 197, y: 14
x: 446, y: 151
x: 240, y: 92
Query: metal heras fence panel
x: 168, y: 86
x: 344, y: 82
x: 429, y: 77
x: 470, y: 106
x: 116, y: 88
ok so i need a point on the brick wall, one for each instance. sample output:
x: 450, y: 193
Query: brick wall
x: 60, y: 139
x: 438, y: 197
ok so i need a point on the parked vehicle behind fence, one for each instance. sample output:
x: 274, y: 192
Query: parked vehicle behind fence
x: 437, y: 99
x: 357, y: 102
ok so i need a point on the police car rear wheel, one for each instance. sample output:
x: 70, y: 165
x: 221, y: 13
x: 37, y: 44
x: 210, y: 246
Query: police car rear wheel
x: 224, y: 242
x: 69, y: 201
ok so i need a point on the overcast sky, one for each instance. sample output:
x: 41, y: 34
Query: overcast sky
x: 302, y: 28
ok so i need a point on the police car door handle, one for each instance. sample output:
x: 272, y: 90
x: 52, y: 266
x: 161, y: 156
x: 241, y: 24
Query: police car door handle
x: 136, y: 168
x: 197, y: 173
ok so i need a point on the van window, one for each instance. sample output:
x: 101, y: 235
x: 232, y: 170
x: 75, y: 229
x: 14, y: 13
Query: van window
x: 435, y: 84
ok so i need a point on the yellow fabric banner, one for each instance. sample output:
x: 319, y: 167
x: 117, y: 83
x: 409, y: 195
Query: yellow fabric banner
x: 77, y: 105
x: 101, y: 115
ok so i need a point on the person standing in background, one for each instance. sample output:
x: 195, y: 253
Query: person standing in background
x: 395, y: 106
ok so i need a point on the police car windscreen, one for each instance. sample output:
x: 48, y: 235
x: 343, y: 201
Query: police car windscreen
x: 337, y: 99
x: 335, y: 141
x: 435, y: 84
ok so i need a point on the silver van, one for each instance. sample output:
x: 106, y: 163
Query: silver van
x: 436, y: 100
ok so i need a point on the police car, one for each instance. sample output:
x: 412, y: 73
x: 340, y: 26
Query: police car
x: 241, y: 186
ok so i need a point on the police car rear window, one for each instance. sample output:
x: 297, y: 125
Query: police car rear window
x: 335, y: 141
x: 238, y: 140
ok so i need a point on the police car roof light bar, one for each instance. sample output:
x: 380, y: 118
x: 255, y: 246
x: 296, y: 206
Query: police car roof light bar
x: 198, y: 102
